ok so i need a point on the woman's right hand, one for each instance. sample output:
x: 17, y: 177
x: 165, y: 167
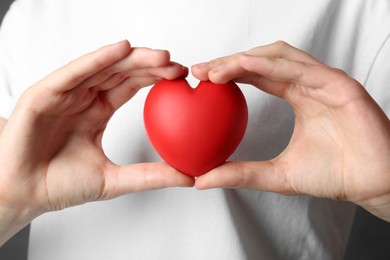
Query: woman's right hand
x: 51, y: 154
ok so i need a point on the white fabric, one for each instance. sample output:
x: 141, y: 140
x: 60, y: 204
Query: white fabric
x: 38, y: 36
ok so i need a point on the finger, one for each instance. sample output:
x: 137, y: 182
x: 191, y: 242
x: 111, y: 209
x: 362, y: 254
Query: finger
x: 284, y: 70
x: 230, y: 71
x: 329, y: 86
x: 283, y: 50
x: 139, y: 58
x: 122, y: 93
x: 262, y: 176
x: 142, y: 177
x: 119, y: 94
x: 72, y: 74
x: 201, y: 71
x: 278, y: 49
x: 278, y: 76
x: 234, y: 71
x: 171, y: 71
x: 272, y: 87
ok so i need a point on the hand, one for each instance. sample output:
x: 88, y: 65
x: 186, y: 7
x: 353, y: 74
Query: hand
x: 340, y: 146
x: 50, y: 149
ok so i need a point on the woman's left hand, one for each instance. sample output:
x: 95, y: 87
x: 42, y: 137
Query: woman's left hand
x: 340, y: 147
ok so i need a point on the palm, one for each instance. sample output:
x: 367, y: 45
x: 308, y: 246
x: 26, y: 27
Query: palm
x: 335, y: 142
x: 317, y: 152
x: 76, y: 165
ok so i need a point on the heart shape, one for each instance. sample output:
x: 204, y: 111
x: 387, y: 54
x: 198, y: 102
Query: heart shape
x: 195, y: 130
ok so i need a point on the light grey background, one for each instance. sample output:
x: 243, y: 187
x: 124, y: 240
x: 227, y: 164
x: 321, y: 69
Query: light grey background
x: 370, y: 237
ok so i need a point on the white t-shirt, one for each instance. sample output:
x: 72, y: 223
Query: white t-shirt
x: 37, y: 36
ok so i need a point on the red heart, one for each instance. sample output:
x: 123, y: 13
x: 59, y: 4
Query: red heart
x: 195, y: 130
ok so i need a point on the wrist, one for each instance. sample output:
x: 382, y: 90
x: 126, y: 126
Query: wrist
x: 13, y: 219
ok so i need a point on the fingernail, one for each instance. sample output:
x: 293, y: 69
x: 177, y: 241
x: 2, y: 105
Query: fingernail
x: 185, y: 72
x: 201, y: 65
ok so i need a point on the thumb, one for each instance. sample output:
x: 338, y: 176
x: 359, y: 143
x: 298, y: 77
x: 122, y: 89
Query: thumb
x: 142, y: 177
x: 264, y: 176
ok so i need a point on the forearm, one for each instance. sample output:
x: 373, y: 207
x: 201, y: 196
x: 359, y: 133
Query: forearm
x: 11, y: 219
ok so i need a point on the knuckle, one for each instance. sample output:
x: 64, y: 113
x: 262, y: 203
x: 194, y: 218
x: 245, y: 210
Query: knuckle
x: 281, y: 44
x: 281, y: 48
x: 243, y: 177
x: 149, y: 181
x: 241, y: 57
x: 216, y: 62
x: 240, y: 178
x: 281, y: 172
x: 108, y: 72
x: 339, y: 72
x: 98, y: 61
x: 225, y: 59
x: 162, y: 58
x: 74, y: 75
x: 341, y: 78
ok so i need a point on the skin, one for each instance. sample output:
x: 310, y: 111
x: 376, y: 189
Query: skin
x: 2, y: 123
x: 50, y: 149
x: 51, y: 155
x: 340, y: 146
